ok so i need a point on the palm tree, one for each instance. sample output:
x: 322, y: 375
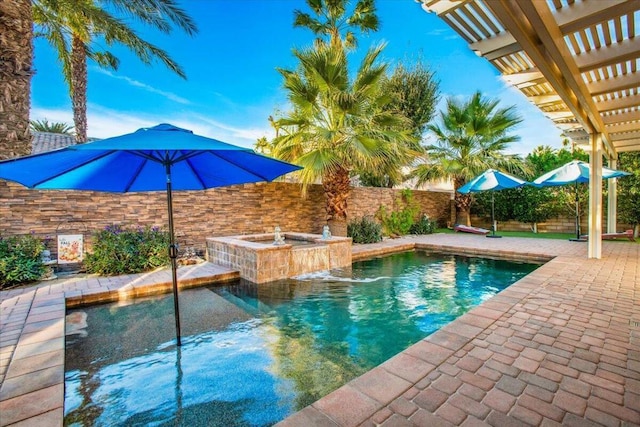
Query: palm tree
x: 16, y: 35
x: 471, y: 138
x: 51, y: 127
x: 336, y: 125
x: 332, y: 21
x: 74, y: 29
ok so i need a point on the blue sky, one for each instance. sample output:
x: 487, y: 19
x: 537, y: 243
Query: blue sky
x: 232, y: 85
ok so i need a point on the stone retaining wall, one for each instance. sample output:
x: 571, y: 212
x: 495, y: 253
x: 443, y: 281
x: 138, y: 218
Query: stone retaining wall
x: 241, y: 209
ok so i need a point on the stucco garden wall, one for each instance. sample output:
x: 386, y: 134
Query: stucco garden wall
x: 241, y: 209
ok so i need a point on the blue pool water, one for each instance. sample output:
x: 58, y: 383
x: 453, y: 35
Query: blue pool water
x: 254, y: 354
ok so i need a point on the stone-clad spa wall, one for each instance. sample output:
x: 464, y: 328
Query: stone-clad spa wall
x: 241, y: 209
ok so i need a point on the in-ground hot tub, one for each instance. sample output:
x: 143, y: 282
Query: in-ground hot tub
x: 260, y: 260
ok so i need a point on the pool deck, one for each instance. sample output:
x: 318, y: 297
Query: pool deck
x: 559, y: 347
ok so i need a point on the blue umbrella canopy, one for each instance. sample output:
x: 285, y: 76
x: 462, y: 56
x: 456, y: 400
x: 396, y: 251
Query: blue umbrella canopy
x: 163, y: 157
x: 491, y: 179
x: 575, y: 171
x: 138, y: 161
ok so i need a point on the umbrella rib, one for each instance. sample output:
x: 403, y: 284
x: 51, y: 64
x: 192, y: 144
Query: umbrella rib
x: 76, y: 166
x: 135, y: 175
x: 264, y: 178
x: 197, y: 175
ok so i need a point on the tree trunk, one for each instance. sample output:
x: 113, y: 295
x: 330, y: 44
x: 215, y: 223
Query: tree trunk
x: 462, y: 202
x: 337, y: 187
x: 16, y: 58
x: 79, y: 88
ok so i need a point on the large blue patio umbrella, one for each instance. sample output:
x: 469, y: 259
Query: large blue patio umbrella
x: 575, y: 172
x: 159, y: 158
x: 492, y: 179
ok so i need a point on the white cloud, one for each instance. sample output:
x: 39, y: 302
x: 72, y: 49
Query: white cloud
x: 144, y: 86
x: 105, y: 122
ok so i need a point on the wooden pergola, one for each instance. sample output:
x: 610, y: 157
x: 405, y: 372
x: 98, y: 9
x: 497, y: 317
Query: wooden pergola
x: 577, y: 61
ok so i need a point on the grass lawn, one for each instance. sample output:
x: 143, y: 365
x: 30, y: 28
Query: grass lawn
x: 561, y: 236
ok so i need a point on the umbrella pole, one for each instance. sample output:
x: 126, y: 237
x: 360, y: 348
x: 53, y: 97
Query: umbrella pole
x: 493, y: 214
x: 173, y: 254
x: 577, y: 212
x: 493, y: 218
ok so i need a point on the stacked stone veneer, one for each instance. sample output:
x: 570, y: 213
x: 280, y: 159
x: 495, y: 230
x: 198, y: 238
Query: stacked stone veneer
x: 260, y: 261
x: 248, y: 209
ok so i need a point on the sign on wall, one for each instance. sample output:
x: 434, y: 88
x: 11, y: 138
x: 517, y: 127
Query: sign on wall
x: 70, y: 248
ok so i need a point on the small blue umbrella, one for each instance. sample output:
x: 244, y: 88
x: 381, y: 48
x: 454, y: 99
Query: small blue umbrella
x: 575, y: 172
x: 492, y: 179
x: 160, y: 158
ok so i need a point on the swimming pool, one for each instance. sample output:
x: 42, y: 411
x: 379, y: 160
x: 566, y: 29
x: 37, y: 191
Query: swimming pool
x: 254, y: 354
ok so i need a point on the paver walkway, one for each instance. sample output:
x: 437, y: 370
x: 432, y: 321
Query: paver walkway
x: 559, y: 347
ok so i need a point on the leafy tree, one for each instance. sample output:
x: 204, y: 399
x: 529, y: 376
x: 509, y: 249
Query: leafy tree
x: 334, y: 25
x: 471, y: 138
x: 414, y: 92
x: 78, y: 30
x: 52, y: 127
x: 337, y: 125
x: 629, y: 189
x: 262, y: 146
x: 563, y: 198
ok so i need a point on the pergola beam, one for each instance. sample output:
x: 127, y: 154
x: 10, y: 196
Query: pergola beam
x: 622, y: 127
x: 559, y: 115
x: 545, y: 99
x: 617, y: 104
x: 496, y: 47
x: 443, y: 6
x: 609, y: 55
x: 589, y: 13
x: 627, y: 136
x: 628, y: 116
x: 615, y: 84
x: 525, y: 78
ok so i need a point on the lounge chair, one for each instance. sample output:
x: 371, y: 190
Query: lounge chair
x: 610, y: 236
x: 469, y: 229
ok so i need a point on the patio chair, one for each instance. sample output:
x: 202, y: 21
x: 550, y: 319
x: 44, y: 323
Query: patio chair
x: 610, y: 236
x: 468, y: 229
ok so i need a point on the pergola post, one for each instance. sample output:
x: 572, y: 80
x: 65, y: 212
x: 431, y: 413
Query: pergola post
x: 612, y: 201
x: 595, y: 196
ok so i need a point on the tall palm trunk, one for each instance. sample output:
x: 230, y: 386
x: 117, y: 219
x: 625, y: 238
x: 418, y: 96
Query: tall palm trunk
x: 337, y: 187
x: 16, y: 57
x: 78, y: 87
x: 463, y: 203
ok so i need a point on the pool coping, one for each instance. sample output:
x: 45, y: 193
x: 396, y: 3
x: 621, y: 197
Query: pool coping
x: 32, y: 362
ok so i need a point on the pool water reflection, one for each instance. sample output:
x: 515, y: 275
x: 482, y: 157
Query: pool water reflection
x: 254, y: 354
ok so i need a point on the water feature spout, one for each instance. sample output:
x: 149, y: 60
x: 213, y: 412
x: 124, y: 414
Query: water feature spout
x: 326, y: 233
x: 278, y: 239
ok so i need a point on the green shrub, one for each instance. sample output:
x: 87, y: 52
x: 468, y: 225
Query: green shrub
x: 399, y: 222
x: 424, y: 226
x: 117, y: 250
x: 364, y: 230
x: 20, y: 260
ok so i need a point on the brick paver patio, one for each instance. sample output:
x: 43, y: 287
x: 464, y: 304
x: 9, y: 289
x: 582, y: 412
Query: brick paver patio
x: 559, y: 347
